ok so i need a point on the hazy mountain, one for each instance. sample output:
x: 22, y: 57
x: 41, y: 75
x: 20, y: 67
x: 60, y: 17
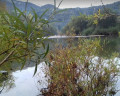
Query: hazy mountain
x: 65, y: 16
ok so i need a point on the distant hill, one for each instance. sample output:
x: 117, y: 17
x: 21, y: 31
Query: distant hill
x: 65, y: 16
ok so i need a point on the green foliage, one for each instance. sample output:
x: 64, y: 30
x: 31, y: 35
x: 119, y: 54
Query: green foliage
x: 112, y: 31
x: 77, y: 24
x: 80, y: 71
x: 20, y: 35
x: 50, y: 30
x: 63, y: 17
x: 88, y: 31
x: 106, y: 22
x: 100, y: 23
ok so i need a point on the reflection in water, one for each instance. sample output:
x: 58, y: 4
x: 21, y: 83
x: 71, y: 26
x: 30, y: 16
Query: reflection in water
x: 113, y: 45
x: 25, y: 83
x: 6, y: 82
x: 118, y: 87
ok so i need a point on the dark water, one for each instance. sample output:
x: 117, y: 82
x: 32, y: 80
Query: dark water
x: 22, y: 83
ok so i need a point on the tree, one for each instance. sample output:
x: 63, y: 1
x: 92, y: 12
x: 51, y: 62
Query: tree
x: 106, y: 23
x: 77, y: 24
x: 50, y: 30
x: 101, y: 23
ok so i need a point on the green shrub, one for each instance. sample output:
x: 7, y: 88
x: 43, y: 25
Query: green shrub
x: 88, y: 31
x: 79, y: 71
x: 21, y: 34
x: 97, y: 24
x: 111, y: 31
x: 76, y: 25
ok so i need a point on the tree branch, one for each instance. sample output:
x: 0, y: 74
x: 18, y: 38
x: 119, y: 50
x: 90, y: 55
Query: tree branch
x: 6, y: 58
x: 7, y: 50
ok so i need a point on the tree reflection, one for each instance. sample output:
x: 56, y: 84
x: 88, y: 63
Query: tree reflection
x: 6, y: 82
x: 111, y: 45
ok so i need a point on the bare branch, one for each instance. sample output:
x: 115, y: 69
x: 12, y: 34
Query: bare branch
x: 106, y: 9
x: 26, y: 5
x: 54, y: 4
x: 2, y: 88
x: 60, y: 3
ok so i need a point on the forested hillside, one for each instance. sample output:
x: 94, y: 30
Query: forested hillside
x: 64, y: 17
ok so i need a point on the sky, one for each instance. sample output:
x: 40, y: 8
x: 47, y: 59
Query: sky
x: 72, y: 3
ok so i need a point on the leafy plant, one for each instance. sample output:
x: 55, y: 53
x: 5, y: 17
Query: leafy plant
x: 80, y: 71
x: 87, y: 25
x: 21, y: 34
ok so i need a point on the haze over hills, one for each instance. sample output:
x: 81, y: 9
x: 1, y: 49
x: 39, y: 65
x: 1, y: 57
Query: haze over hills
x: 72, y: 3
x: 65, y: 16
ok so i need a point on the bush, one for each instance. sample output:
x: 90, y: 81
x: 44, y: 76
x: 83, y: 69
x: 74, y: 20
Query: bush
x: 111, y: 31
x: 79, y: 71
x: 76, y: 25
x: 88, y: 31
x: 97, y: 24
x: 50, y: 30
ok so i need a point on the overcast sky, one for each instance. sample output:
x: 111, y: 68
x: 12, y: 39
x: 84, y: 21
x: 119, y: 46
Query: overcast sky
x: 72, y: 3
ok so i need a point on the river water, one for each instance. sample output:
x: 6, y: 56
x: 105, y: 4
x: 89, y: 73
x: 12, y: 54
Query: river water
x: 25, y: 84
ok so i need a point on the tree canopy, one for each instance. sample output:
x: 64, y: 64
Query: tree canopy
x: 101, y: 23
